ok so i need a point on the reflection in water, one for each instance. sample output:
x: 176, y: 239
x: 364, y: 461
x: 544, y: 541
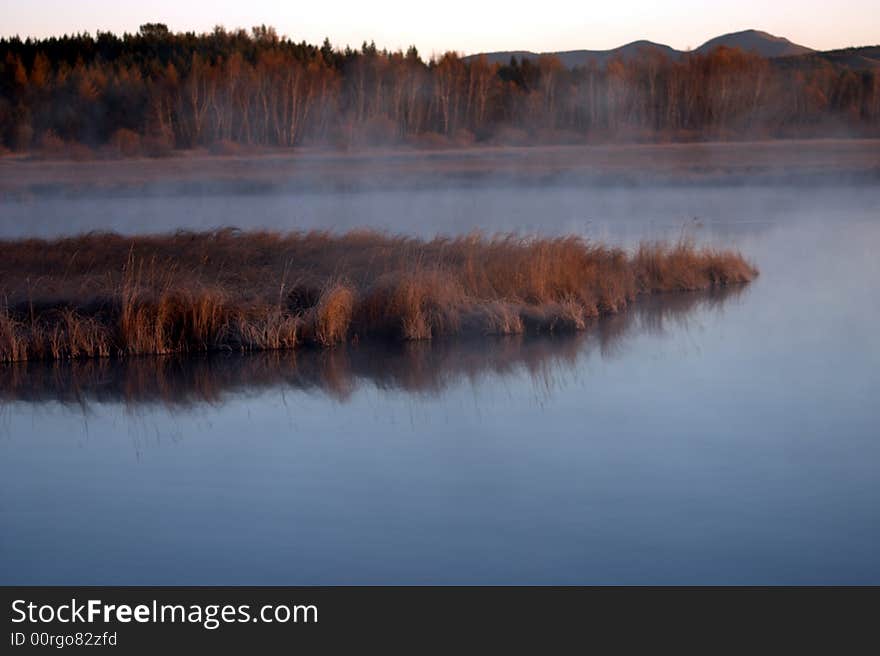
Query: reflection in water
x: 738, y: 446
x: 413, y: 367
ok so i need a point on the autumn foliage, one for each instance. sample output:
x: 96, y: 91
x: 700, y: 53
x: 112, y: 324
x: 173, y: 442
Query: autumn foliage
x: 155, y: 91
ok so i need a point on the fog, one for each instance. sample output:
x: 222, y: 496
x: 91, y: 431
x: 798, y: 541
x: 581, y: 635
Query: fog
x: 620, y: 215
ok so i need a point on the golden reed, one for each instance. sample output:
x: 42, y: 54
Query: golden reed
x: 108, y: 295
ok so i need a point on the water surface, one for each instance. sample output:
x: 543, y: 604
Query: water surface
x: 697, y: 439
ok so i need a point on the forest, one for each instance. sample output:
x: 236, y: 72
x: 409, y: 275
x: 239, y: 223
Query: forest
x: 157, y: 91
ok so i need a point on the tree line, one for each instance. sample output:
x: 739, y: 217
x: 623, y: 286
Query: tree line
x: 155, y: 91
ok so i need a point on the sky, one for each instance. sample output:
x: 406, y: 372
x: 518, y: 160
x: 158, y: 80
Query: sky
x: 467, y: 26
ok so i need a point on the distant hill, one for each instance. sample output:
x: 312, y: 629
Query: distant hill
x: 757, y: 42
x: 575, y: 58
x: 761, y: 43
x: 864, y: 58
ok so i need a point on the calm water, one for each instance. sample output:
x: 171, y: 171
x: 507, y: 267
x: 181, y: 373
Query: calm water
x: 698, y: 439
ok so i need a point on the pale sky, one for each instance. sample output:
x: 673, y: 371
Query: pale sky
x: 467, y: 26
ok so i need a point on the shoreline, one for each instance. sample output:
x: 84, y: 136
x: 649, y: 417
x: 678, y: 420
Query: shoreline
x: 182, y: 380
x: 820, y: 161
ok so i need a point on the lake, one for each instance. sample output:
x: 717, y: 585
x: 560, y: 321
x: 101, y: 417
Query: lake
x: 726, y: 438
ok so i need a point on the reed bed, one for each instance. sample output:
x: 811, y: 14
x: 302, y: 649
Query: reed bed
x: 108, y: 295
x: 414, y: 367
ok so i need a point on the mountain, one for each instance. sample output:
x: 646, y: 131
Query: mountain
x: 857, y: 59
x: 762, y: 43
x: 574, y: 58
x: 757, y: 42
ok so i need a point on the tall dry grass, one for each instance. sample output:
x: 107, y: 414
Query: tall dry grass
x: 104, y: 294
x: 414, y: 367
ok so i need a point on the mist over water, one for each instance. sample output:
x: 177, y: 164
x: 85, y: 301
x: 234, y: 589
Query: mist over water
x: 619, y: 214
x: 693, y: 440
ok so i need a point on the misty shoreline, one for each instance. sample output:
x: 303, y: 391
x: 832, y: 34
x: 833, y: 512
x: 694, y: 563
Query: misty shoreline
x: 825, y: 162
